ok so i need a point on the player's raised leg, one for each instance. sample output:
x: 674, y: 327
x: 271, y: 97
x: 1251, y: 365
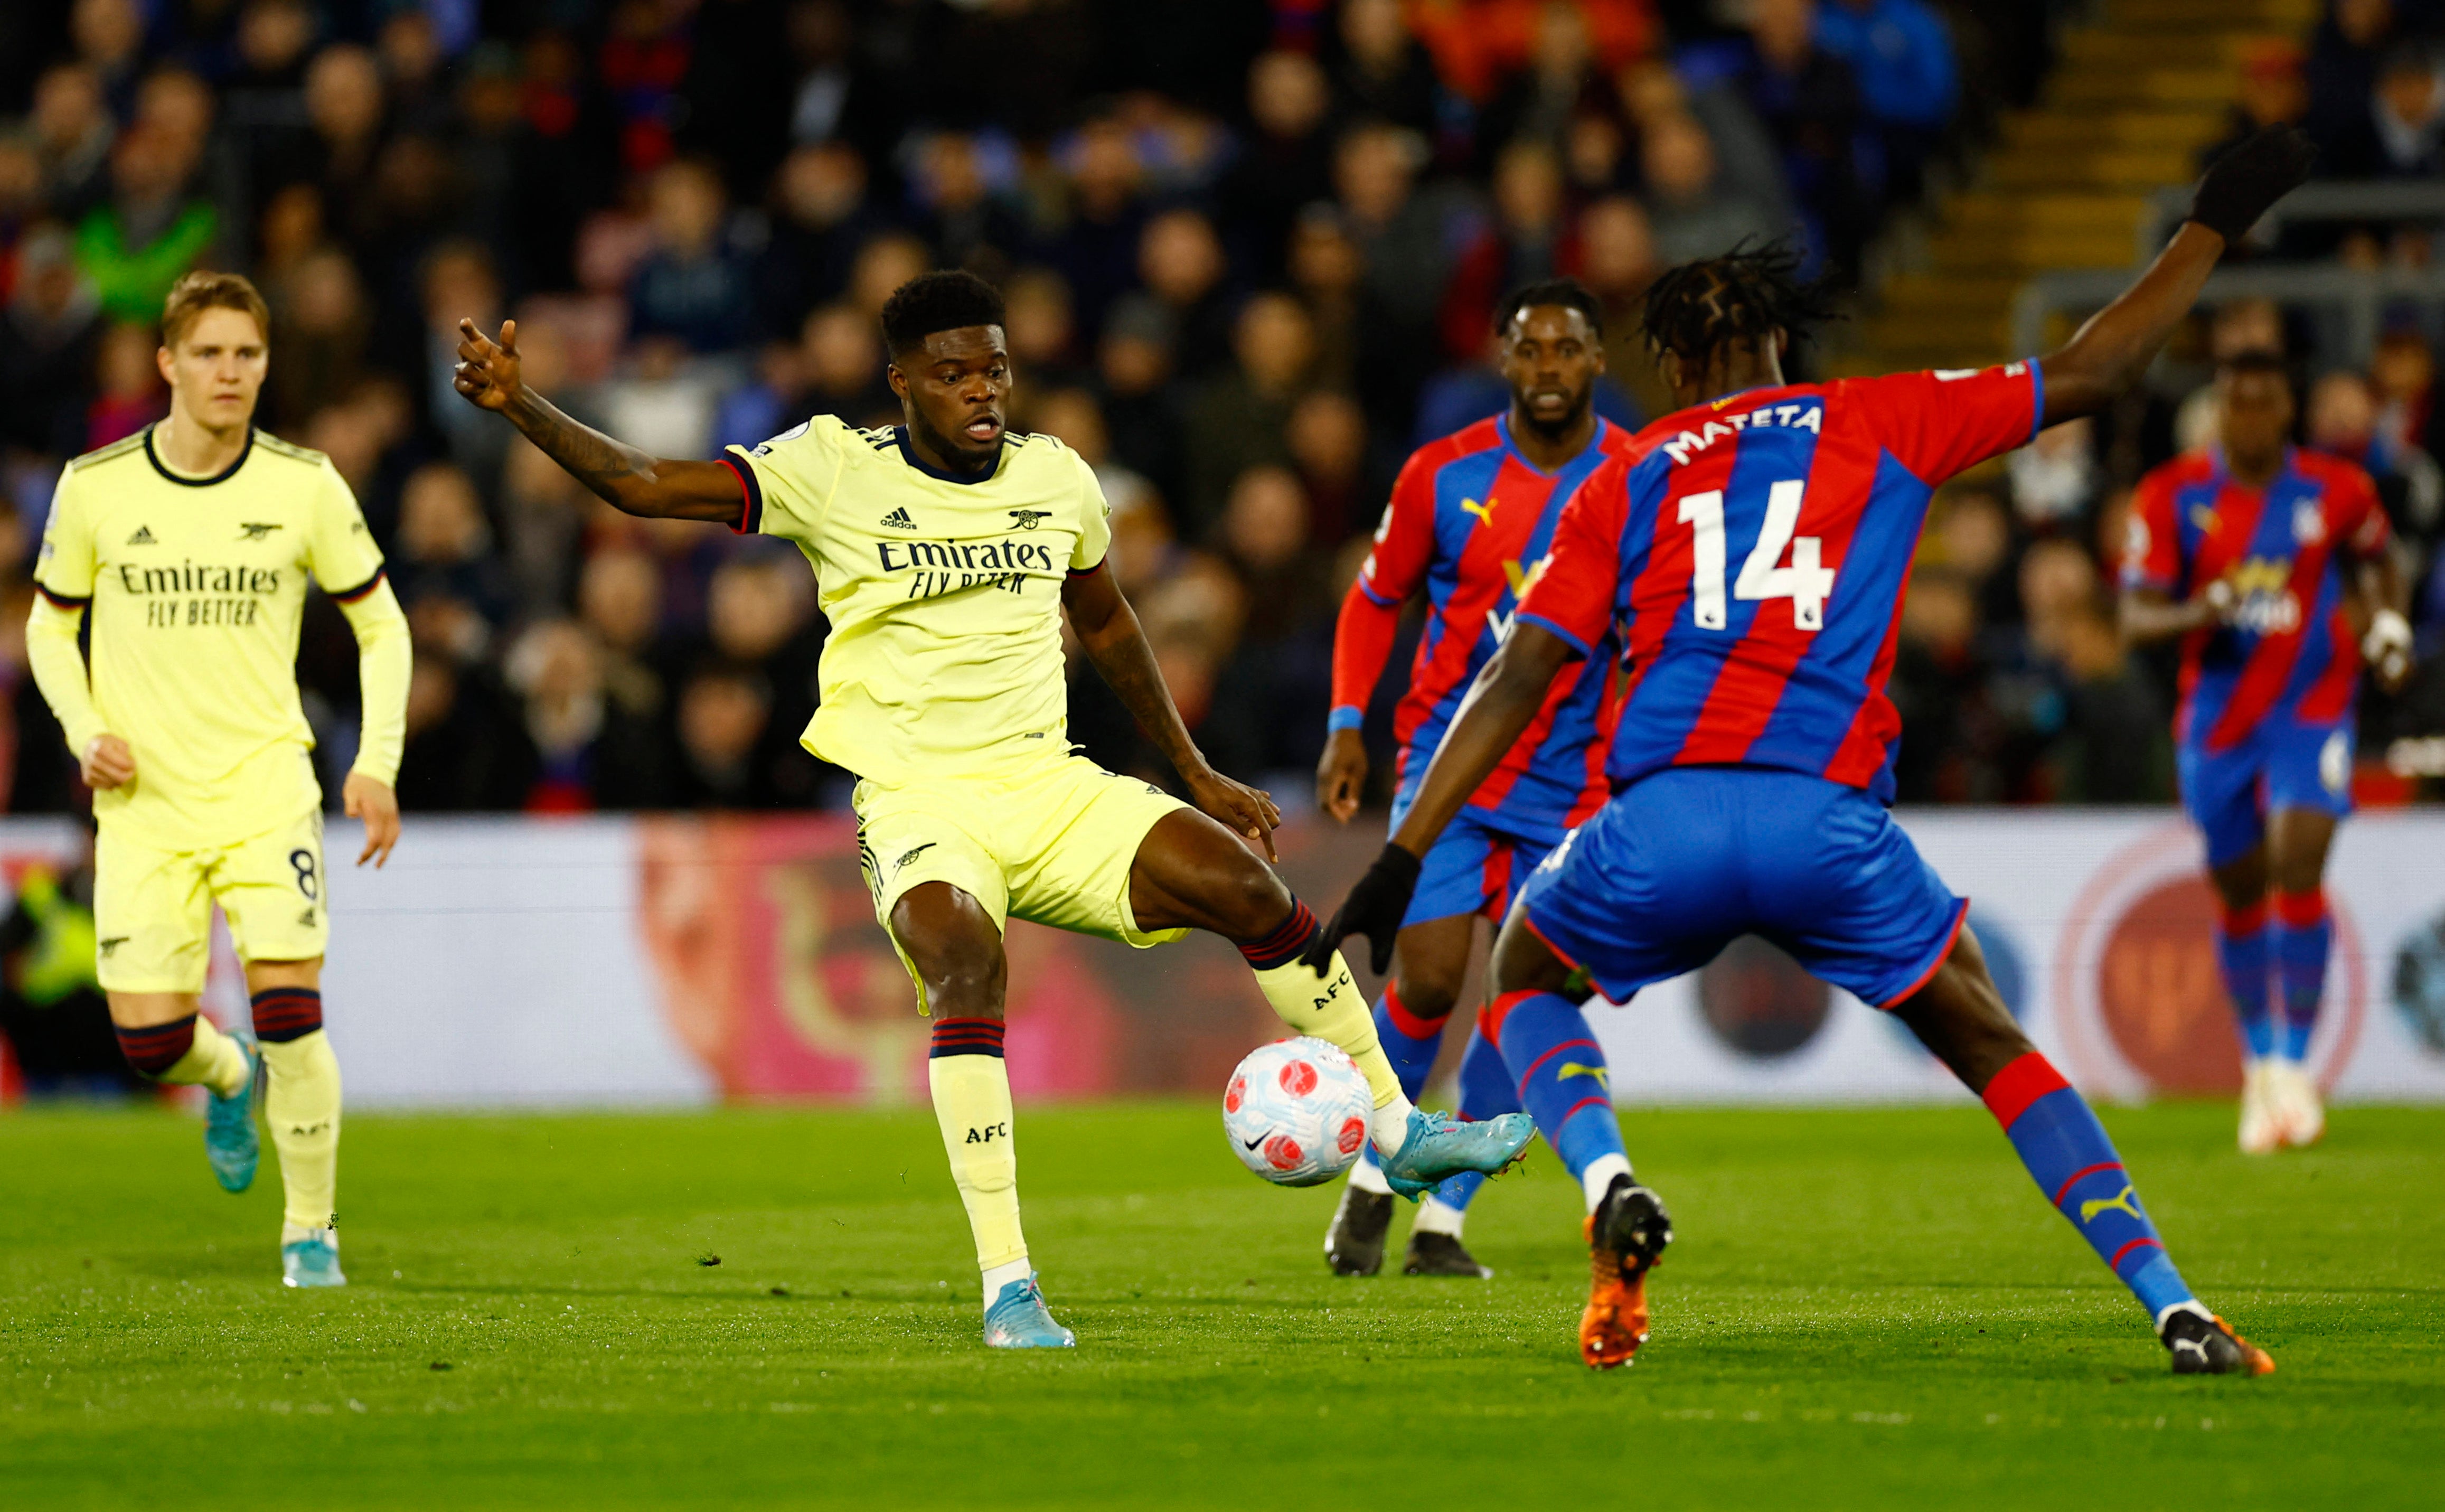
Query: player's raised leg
x: 1960, y: 1016
x: 955, y: 950
x: 1191, y: 873
x: 1552, y: 1056
x: 166, y: 1038
x: 153, y: 924
x: 1430, y: 961
x: 2302, y: 935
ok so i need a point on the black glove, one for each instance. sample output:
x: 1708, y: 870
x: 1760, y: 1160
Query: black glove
x: 1373, y: 908
x: 2238, y: 187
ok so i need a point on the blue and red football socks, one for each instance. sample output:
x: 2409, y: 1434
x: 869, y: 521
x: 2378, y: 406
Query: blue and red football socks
x: 2305, y: 936
x: 2241, y: 955
x: 1409, y: 1041
x: 2075, y: 1164
x: 1555, y: 1062
x: 1486, y: 1091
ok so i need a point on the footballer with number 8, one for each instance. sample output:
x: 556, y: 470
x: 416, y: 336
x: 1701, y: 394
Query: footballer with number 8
x: 1751, y: 550
x: 189, y: 545
x: 945, y: 551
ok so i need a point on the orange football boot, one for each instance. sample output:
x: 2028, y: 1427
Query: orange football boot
x: 2204, y: 1344
x: 1626, y: 1235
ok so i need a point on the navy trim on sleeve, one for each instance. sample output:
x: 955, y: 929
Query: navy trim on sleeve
x: 1556, y: 632
x: 1091, y: 571
x: 2037, y: 399
x: 351, y: 595
x: 751, y: 511
x: 61, y: 600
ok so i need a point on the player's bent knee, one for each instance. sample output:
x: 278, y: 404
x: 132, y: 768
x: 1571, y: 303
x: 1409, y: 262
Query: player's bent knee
x: 1522, y: 963
x: 951, y: 943
x: 263, y: 974
x: 1246, y: 901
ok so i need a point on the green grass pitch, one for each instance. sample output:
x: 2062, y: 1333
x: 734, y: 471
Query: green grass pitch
x: 1863, y: 1309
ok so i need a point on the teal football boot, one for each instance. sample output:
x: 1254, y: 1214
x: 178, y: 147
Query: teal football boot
x: 313, y: 1261
x: 1439, y: 1144
x: 229, y: 1140
x: 1017, y: 1321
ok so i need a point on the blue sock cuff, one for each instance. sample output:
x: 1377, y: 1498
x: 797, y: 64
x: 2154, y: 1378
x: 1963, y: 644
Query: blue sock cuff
x: 2155, y: 1282
x: 1562, y: 1077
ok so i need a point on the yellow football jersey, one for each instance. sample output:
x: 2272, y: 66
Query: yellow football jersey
x: 944, y: 594
x: 196, y: 588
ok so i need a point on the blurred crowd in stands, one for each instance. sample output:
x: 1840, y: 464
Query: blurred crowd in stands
x: 1252, y: 252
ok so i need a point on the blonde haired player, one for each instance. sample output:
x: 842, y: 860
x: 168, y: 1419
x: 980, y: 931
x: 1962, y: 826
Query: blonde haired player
x: 945, y: 551
x: 190, y: 546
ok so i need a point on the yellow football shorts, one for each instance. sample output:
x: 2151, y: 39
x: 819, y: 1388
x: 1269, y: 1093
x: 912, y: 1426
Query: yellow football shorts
x: 153, y: 908
x: 1051, y: 845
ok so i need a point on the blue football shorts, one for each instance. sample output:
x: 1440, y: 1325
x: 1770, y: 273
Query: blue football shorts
x: 1687, y: 860
x: 2281, y: 764
x: 1472, y: 867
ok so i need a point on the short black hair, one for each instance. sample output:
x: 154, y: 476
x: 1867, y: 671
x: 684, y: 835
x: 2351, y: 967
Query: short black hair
x: 1745, y: 294
x: 946, y: 299
x: 1568, y: 292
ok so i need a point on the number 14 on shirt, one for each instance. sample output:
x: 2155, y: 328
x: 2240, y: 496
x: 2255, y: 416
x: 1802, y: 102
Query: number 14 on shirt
x: 1806, y: 582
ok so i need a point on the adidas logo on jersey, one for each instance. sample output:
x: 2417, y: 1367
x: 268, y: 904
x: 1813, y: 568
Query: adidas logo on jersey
x: 143, y: 537
x: 899, y: 520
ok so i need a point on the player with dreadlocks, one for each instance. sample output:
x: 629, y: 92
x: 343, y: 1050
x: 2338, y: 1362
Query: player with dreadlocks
x: 1751, y: 551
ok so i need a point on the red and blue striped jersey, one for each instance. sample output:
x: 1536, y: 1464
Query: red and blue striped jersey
x: 2289, y: 648
x: 1751, y: 555
x: 1471, y: 521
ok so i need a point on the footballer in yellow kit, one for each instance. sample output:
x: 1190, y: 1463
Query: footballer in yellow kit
x: 950, y: 717
x: 189, y: 546
x: 946, y: 551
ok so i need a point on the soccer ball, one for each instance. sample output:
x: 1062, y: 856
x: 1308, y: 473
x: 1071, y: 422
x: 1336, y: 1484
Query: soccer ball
x: 1297, y: 1111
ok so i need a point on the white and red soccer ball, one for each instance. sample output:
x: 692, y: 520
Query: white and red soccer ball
x: 1297, y: 1111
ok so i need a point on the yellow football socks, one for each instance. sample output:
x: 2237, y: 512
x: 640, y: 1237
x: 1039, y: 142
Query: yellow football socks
x: 213, y: 1060
x: 972, y: 1103
x: 1331, y: 1008
x: 301, y: 1105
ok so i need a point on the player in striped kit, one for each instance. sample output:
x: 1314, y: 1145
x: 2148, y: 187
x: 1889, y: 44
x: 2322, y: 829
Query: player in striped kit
x: 1469, y: 524
x: 1752, y: 549
x: 2254, y: 536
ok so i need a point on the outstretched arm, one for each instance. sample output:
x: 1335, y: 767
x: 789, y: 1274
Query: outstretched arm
x: 627, y: 479
x: 2108, y: 355
x: 1509, y: 690
x: 1109, y: 632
